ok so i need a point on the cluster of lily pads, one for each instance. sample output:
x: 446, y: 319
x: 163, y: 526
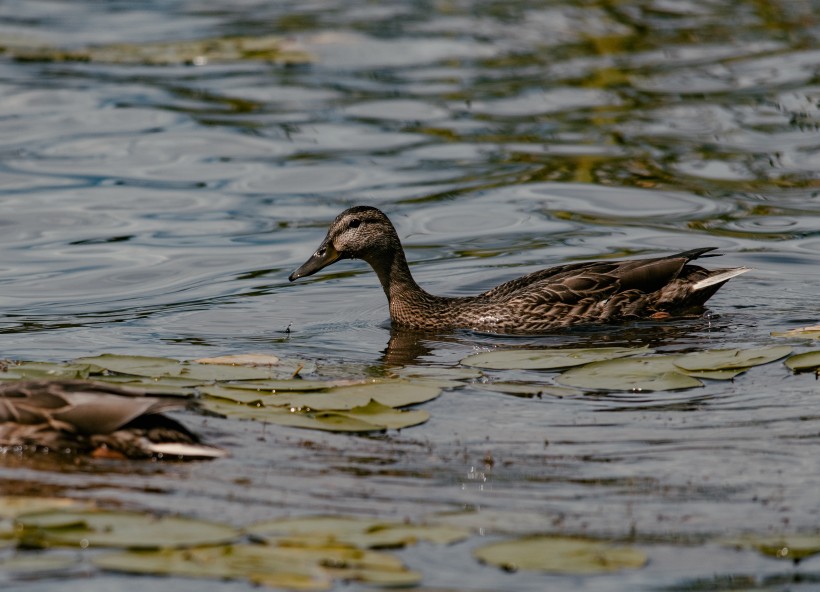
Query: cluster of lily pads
x: 611, y: 369
x: 301, y: 552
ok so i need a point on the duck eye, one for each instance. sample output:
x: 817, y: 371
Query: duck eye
x: 354, y: 223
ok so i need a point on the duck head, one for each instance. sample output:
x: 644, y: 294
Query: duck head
x: 361, y: 232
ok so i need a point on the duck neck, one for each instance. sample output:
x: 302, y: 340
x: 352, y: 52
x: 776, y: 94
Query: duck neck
x: 395, y: 277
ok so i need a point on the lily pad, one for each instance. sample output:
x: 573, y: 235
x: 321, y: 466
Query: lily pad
x: 37, y: 565
x: 726, y: 374
x: 547, y: 359
x: 290, y: 567
x: 45, y: 370
x: 791, y: 546
x: 371, y: 417
x: 134, y: 530
x: 136, y: 365
x: 804, y: 362
x: 241, y: 360
x: 651, y: 373
x: 528, y: 389
x: 12, y: 506
x: 561, y: 555
x: 722, y: 359
x: 812, y: 332
x: 367, y: 533
x: 390, y: 394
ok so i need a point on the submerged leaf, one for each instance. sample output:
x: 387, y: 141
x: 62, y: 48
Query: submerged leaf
x: 812, y: 332
x: 790, y: 546
x: 651, y: 373
x: 804, y: 362
x: 528, y: 389
x: 135, y: 530
x: 548, y: 359
x: 561, y: 555
x: 722, y: 359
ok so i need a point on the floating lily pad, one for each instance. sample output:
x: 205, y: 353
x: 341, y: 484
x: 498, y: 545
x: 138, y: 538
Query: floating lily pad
x: 804, y: 362
x: 134, y: 530
x: 722, y: 359
x: 153, y: 367
x: 368, y: 533
x: 792, y: 546
x: 367, y: 418
x: 547, y: 359
x: 12, y: 506
x: 45, y: 370
x: 37, y: 565
x: 561, y: 555
x: 727, y: 374
x: 241, y: 360
x: 390, y: 394
x: 289, y: 567
x: 651, y: 373
x: 812, y: 332
x: 528, y: 389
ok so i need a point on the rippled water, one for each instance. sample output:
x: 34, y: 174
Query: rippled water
x: 159, y: 210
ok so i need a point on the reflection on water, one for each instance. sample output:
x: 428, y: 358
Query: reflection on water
x: 159, y: 211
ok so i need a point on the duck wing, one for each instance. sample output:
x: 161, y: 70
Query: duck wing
x: 598, y: 279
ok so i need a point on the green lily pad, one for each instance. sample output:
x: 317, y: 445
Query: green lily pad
x: 12, y: 506
x: 37, y: 565
x: 727, y: 374
x: 812, y: 332
x: 291, y: 567
x: 136, y: 365
x: 134, y: 530
x: 791, y: 546
x: 722, y: 359
x: 372, y: 417
x: 241, y: 360
x: 547, y: 359
x: 390, y: 394
x: 561, y: 555
x: 528, y: 389
x: 804, y: 362
x: 45, y: 370
x: 366, y: 533
x: 651, y: 373
x: 292, y: 384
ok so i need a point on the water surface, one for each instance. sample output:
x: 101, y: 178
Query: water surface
x: 158, y: 210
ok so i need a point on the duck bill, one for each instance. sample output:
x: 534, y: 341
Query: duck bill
x: 323, y: 257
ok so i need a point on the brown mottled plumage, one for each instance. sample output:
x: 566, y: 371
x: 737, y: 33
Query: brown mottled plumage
x: 563, y: 296
x: 92, y: 417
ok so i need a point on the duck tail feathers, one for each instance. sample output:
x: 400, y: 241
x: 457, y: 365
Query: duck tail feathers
x: 719, y: 278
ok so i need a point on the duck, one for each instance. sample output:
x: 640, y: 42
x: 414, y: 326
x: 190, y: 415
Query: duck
x: 561, y: 297
x: 94, y: 418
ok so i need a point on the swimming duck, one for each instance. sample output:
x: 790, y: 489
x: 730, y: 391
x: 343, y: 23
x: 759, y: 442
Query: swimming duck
x: 94, y: 418
x: 540, y: 302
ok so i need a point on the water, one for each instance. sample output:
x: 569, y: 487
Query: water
x: 159, y: 211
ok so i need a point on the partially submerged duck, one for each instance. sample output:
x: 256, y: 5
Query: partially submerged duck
x: 94, y: 418
x: 558, y: 297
